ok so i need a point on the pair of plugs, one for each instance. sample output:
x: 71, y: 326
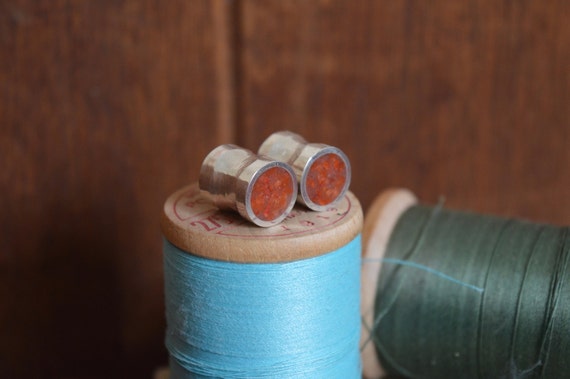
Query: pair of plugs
x: 264, y: 187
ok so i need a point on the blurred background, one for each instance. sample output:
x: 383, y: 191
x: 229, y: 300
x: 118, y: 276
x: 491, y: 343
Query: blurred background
x: 107, y: 107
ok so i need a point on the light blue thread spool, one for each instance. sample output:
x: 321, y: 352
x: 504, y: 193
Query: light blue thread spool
x: 261, y: 303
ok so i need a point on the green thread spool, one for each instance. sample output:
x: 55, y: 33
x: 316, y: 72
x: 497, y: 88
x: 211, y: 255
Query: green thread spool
x: 450, y: 294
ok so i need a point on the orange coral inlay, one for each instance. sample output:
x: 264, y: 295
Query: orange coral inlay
x: 271, y: 193
x: 326, y: 179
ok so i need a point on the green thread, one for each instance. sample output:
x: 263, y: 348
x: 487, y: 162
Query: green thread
x: 473, y: 296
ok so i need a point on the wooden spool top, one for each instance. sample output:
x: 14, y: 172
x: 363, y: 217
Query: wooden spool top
x: 193, y: 224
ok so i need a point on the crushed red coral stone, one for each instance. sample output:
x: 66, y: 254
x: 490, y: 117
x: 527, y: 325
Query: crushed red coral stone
x: 326, y: 179
x: 271, y: 193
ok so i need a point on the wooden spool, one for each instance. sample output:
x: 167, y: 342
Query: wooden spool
x: 193, y: 224
x: 380, y: 222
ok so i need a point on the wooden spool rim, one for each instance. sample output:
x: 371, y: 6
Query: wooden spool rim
x: 192, y: 223
x: 381, y: 219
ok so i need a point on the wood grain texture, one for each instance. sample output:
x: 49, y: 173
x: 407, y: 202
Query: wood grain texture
x: 469, y: 100
x: 106, y: 108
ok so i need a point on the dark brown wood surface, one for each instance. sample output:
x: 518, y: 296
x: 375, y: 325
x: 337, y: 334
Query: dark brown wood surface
x: 470, y: 101
x: 107, y: 107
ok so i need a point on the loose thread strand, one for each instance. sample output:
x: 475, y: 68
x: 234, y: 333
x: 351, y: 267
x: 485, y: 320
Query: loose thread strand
x: 512, y: 357
x: 478, y: 350
x: 378, y: 318
x: 563, y: 256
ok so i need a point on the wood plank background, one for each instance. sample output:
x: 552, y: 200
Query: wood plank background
x: 107, y: 107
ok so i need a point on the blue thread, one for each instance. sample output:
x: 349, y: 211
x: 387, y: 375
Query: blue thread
x: 428, y: 269
x: 266, y: 320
